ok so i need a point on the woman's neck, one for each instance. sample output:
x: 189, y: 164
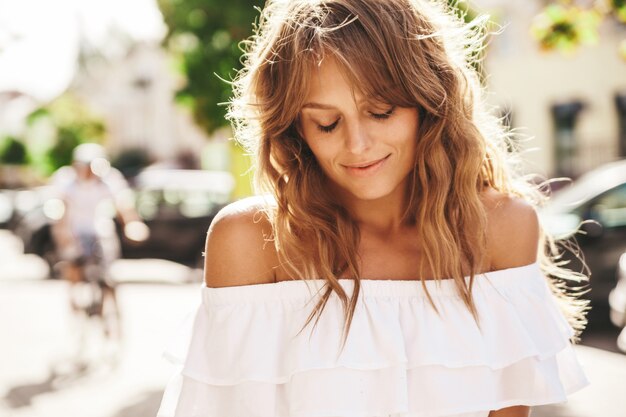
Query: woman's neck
x: 385, y: 215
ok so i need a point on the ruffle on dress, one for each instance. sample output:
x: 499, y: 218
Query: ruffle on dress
x: 240, y: 355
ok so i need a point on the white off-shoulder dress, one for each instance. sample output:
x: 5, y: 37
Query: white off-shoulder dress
x: 240, y: 354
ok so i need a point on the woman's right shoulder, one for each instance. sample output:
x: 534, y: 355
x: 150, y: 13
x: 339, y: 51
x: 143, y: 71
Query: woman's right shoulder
x: 239, y: 249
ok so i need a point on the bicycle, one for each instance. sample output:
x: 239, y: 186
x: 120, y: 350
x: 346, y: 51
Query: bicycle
x: 93, y: 297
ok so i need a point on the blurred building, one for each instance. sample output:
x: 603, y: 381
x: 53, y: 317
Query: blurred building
x: 135, y: 95
x: 109, y: 55
x: 555, y: 98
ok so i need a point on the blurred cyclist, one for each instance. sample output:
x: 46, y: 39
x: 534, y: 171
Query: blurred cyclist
x: 93, y: 193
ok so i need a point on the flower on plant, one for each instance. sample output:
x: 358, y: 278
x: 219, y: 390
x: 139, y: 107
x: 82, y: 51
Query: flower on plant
x: 564, y: 28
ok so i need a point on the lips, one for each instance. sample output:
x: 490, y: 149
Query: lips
x: 366, y: 167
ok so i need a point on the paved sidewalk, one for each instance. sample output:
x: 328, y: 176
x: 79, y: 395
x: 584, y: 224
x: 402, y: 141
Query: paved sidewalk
x: 41, y: 376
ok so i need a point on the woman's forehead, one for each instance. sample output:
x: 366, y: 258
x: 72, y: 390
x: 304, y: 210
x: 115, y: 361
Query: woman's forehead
x: 326, y: 77
x: 329, y: 81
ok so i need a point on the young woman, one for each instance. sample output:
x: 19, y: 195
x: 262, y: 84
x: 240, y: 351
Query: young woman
x: 392, y: 217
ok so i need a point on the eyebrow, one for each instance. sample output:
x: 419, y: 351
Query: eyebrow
x: 322, y: 106
x: 319, y: 106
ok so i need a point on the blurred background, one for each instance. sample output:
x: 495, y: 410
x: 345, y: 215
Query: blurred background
x: 147, y: 80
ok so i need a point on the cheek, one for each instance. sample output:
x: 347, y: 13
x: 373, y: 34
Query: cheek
x: 322, y: 155
x: 314, y: 144
x: 407, y: 134
x: 321, y: 149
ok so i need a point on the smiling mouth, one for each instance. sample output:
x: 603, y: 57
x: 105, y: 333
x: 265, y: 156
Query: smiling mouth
x: 366, y: 167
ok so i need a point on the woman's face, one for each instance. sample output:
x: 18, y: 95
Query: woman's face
x: 364, y: 147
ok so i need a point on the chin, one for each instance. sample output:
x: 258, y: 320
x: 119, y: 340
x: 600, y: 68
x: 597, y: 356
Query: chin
x: 370, y: 190
x: 370, y: 194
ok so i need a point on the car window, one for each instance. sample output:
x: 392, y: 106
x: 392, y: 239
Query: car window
x: 577, y: 196
x: 610, y: 208
x: 572, y: 195
x: 196, y: 204
x: 171, y: 203
x: 147, y: 203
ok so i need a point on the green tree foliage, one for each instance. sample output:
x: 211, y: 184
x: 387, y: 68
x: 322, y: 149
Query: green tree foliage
x: 204, y: 35
x: 13, y: 151
x: 565, y: 25
x: 462, y: 9
x: 73, y: 124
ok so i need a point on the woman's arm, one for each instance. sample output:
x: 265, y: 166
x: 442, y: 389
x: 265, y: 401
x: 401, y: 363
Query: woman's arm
x: 515, y: 411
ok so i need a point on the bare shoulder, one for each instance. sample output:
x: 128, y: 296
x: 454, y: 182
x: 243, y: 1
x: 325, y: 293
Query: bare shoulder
x: 513, y: 230
x: 238, y: 250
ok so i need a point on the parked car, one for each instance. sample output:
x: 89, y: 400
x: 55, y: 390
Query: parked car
x: 15, y: 203
x: 177, y: 205
x: 598, y: 200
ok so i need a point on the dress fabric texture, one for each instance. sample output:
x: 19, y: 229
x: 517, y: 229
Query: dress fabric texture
x: 240, y: 355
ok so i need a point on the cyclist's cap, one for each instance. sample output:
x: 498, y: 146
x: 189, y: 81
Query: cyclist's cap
x: 87, y: 152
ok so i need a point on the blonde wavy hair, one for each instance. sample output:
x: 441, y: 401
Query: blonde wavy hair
x: 409, y: 53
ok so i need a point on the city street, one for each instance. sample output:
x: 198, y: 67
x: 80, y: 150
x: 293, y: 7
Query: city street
x: 387, y: 140
x: 43, y: 369
x: 44, y: 374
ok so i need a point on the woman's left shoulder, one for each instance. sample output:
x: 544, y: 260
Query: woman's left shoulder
x: 513, y: 230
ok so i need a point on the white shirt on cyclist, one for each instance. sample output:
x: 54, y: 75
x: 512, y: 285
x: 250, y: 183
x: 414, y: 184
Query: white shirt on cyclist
x: 90, y: 204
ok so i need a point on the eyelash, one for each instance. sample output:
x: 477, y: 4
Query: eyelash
x: 385, y: 115
x: 377, y: 116
x: 329, y: 128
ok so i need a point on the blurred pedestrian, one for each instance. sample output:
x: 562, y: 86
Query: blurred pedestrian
x: 392, y: 217
x: 93, y: 193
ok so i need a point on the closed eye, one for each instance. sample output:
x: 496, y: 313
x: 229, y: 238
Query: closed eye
x: 328, y: 128
x: 385, y: 115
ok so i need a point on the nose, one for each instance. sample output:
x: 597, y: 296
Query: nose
x: 358, y: 139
